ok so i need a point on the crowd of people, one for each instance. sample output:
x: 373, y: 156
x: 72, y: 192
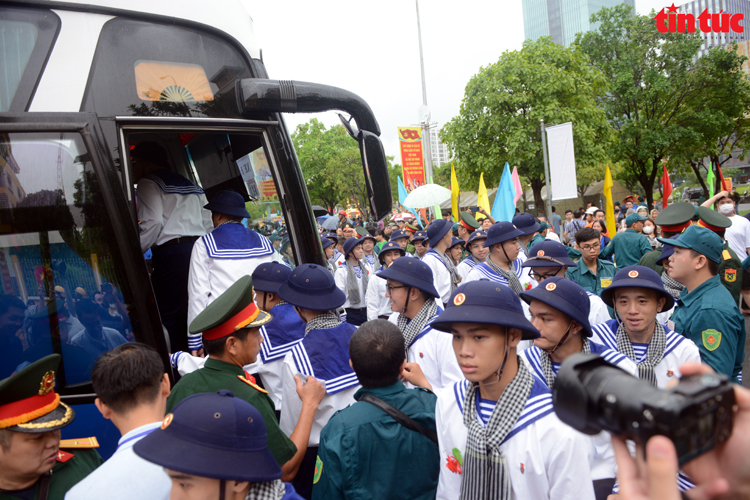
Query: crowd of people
x: 415, y: 363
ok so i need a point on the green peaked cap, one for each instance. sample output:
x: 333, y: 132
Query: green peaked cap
x: 676, y: 214
x: 713, y: 218
x: 469, y: 220
x: 227, y: 305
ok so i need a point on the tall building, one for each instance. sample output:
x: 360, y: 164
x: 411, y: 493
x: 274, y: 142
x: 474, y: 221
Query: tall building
x: 563, y: 19
x: 440, y: 153
x: 713, y: 40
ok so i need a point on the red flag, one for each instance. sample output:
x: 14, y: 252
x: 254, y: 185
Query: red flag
x: 666, y: 187
x: 726, y: 185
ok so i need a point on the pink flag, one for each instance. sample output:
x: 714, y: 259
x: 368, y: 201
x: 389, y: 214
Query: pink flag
x: 517, y: 185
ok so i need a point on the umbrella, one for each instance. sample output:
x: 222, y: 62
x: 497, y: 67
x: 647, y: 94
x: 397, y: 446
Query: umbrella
x: 323, y: 218
x: 428, y: 195
x: 330, y: 223
x: 319, y: 211
x: 403, y: 216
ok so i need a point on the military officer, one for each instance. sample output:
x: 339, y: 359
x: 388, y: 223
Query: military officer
x: 673, y: 220
x: 730, y: 267
x: 213, y: 447
x: 231, y: 336
x: 34, y: 462
x: 706, y: 312
x: 628, y: 247
x: 467, y: 224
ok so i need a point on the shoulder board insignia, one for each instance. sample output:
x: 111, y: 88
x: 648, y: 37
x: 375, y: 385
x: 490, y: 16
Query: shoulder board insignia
x: 89, y: 442
x: 251, y: 384
x: 63, y: 456
x: 726, y: 255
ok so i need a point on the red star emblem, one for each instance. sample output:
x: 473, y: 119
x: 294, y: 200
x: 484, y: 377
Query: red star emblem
x: 672, y: 8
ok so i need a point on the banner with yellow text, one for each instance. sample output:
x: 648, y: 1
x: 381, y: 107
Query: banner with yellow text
x: 412, y: 159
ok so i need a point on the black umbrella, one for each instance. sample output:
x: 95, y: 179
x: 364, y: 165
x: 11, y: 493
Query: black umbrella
x: 318, y: 211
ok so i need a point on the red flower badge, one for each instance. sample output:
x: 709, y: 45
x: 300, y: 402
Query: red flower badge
x: 455, y: 461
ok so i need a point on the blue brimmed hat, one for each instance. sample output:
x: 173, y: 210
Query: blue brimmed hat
x: 228, y: 202
x: 331, y: 236
x: 420, y: 236
x: 526, y: 223
x: 457, y: 241
x: 311, y: 286
x: 399, y: 233
x: 485, y: 302
x: 268, y: 277
x: 702, y: 240
x: 388, y: 246
x: 500, y: 232
x: 548, y: 253
x: 666, y: 251
x: 350, y: 244
x: 326, y: 243
x: 212, y: 435
x: 411, y: 272
x: 437, y: 230
x: 564, y: 295
x: 633, y: 218
x: 638, y: 277
x: 476, y: 235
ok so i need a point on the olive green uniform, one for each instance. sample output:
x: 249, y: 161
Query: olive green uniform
x: 649, y: 260
x: 581, y: 274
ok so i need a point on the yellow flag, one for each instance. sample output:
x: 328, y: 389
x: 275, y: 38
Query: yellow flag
x: 454, y: 194
x: 609, y: 212
x: 484, y: 200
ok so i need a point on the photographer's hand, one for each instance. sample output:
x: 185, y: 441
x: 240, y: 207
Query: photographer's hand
x: 653, y: 479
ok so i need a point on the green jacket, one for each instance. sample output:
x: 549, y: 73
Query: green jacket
x: 709, y: 317
x: 649, y: 260
x: 66, y: 474
x: 730, y: 272
x: 536, y: 239
x: 628, y: 248
x: 217, y: 375
x: 581, y: 274
x: 365, y: 453
x: 410, y: 249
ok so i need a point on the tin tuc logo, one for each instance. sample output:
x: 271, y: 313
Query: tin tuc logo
x: 669, y: 21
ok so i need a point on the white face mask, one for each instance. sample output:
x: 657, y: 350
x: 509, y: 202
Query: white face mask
x: 648, y: 229
x: 726, y: 208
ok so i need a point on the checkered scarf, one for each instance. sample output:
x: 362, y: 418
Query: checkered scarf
x: 351, y: 281
x: 328, y: 319
x: 546, y: 362
x: 268, y: 490
x: 671, y: 285
x: 486, y: 473
x: 455, y: 278
x: 513, y: 281
x: 410, y: 329
x: 654, y: 354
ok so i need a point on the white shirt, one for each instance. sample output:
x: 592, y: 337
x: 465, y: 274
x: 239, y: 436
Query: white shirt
x: 441, y: 277
x: 546, y: 458
x: 125, y: 476
x: 465, y: 266
x: 340, y: 279
x: 377, y: 303
x: 552, y: 236
x: 738, y: 236
x: 166, y: 216
x: 483, y: 271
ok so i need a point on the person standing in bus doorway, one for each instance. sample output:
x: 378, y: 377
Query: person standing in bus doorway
x: 352, y: 278
x: 170, y: 218
x: 218, y: 258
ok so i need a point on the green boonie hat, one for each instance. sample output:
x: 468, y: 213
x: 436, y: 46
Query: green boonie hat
x: 676, y: 217
x: 28, y: 401
x: 702, y: 240
x: 710, y: 219
x: 230, y: 312
x: 468, y: 220
x: 362, y: 231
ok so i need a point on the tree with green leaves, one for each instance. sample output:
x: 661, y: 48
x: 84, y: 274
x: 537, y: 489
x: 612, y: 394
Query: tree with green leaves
x: 503, y: 104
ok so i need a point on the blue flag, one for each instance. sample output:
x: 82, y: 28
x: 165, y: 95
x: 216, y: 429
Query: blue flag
x: 504, y: 207
x: 402, y: 196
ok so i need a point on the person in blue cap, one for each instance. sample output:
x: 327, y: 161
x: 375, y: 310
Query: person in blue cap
x: 529, y: 226
x: 329, y: 247
x: 629, y: 246
x: 550, y: 259
x: 560, y: 311
x: 415, y: 302
x: 378, y: 303
x: 706, y: 312
x: 443, y: 270
x: 213, y: 447
x: 421, y: 243
x: 352, y: 278
x: 638, y: 296
x: 220, y: 257
x: 503, y: 264
x: 369, y: 256
x: 591, y: 272
x: 403, y: 238
x: 671, y: 285
x: 477, y: 253
x: 322, y: 354
x: 455, y: 251
x: 498, y: 435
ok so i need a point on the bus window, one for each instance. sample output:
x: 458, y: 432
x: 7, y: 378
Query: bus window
x: 62, y: 281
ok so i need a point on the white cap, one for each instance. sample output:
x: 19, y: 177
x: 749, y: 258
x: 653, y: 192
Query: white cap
x: 591, y: 210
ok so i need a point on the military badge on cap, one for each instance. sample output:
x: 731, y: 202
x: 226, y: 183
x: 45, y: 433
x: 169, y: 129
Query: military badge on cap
x: 48, y: 383
x: 633, y: 274
x: 540, y: 253
x: 459, y: 299
x: 167, y: 420
x: 550, y: 287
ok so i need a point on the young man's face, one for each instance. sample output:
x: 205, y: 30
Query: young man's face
x: 421, y: 247
x: 349, y: 232
x: 397, y: 293
x: 725, y: 205
x: 637, y: 308
x: 401, y: 224
x: 590, y: 249
x: 389, y: 256
x: 367, y: 245
x: 637, y: 226
x: 543, y: 273
x: 628, y: 204
x: 486, y: 224
x: 512, y: 249
x: 357, y: 252
x: 188, y: 487
x: 29, y: 456
x: 568, y: 216
x: 599, y: 216
x: 550, y: 322
x: 682, y: 263
x: 478, y: 250
x: 456, y: 252
x: 480, y: 349
x: 402, y: 242
x: 329, y: 252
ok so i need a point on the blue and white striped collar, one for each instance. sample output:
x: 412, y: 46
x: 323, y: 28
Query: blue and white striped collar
x: 533, y: 355
x: 235, y: 241
x: 607, y: 333
x: 324, y: 354
x: 173, y: 183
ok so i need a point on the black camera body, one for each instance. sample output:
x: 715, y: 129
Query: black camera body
x: 592, y: 395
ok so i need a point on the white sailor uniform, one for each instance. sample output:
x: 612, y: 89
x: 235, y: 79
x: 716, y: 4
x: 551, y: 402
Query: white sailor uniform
x: 218, y: 259
x: 323, y: 354
x: 338, y: 259
x: 679, y: 350
x: 603, y: 464
x: 433, y: 351
x: 465, y: 266
x: 441, y: 277
x: 546, y: 458
x: 483, y: 271
x: 371, y: 261
x: 340, y: 279
x: 377, y: 303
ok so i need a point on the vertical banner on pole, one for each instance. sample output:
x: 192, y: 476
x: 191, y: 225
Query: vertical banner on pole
x: 562, y: 161
x: 412, y: 159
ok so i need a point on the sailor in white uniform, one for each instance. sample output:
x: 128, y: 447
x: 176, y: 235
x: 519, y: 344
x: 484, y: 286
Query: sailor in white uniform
x: 502, y: 264
x: 549, y: 259
x: 402, y: 237
x: 170, y: 219
x: 443, y: 271
x: 499, y: 426
x: 352, y: 278
x: 477, y: 253
x: 323, y: 354
x: 369, y: 256
x: 560, y: 311
x: 421, y: 243
x: 328, y: 248
x: 218, y: 258
x: 415, y: 302
x: 378, y: 304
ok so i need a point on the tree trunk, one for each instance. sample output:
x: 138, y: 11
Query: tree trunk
x: 697, y: 171
x: 536, y: 187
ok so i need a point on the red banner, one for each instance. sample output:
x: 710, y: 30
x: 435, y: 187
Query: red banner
x: 412, y: 159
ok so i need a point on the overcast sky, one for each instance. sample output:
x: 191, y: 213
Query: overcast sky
x: 372, y: 49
